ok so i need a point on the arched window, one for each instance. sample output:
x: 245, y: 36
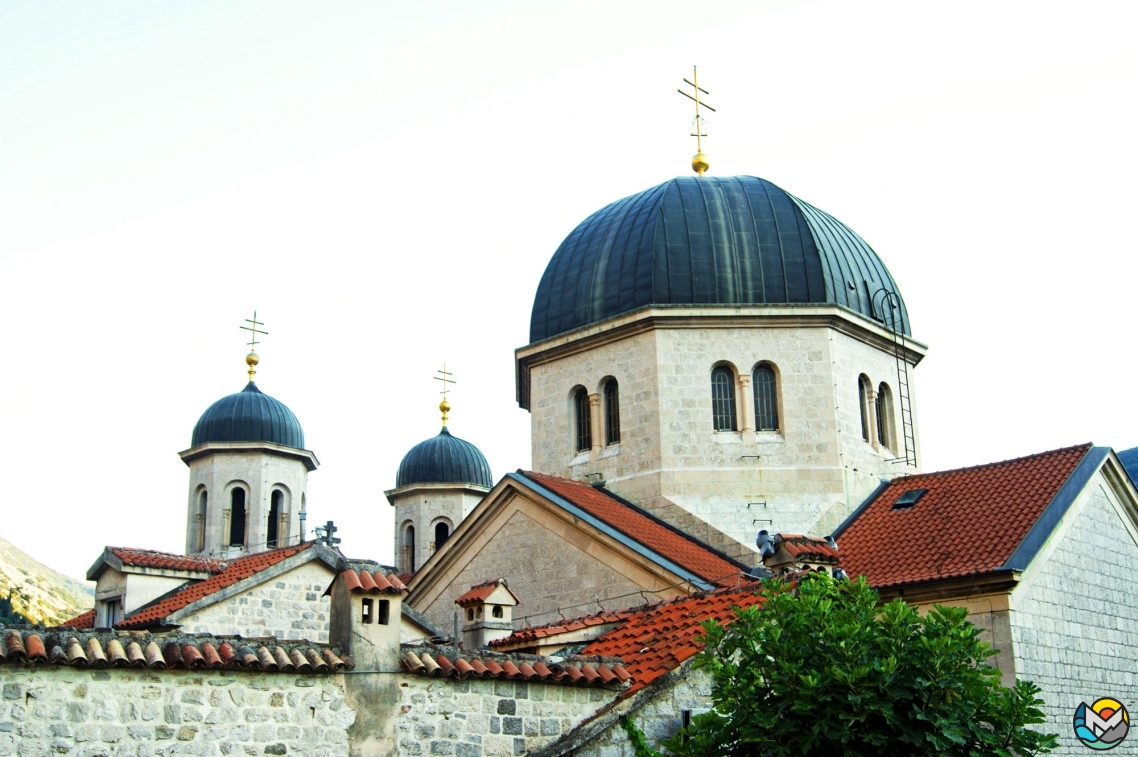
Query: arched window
x: 766, y: 399
x: 442, y: 533
x: 583, y: 420
x: 723, y: 399
x: 863, y: 402
x: 497, y: 611
x: 203, y: 511
x: 273, y: 531
x: 884, y: 416
x: 237, y: 517
x: 612, y: 412
x: 408, y: 561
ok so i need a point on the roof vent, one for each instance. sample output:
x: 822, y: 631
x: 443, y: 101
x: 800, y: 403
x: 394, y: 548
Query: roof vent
x: 908, y: 499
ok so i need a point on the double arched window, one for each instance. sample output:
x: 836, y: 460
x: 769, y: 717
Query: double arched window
x: 884, y: 416
x: 612, y: 412
x: 723, y: 399
x: 583, y: 420
x: 766, y: 398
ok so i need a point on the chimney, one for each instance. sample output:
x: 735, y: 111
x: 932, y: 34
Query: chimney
x: 487, y: 613
x: 365, y: 617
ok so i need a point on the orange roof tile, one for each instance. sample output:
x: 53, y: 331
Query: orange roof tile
x: 808, y: 548
x: 372, y: 582
x: 148, y: 558
x: 968, y: 522
x: 481, y: 592
x: 235, y: 570
x: 648, y: 531
x: 82, y: 620
x: 432, y: 661
x: 659, y: 638
x: 535, y: 633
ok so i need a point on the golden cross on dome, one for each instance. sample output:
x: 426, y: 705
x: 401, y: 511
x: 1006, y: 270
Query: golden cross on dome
x: 251, y: 359
x: 699, y: 163
x: 445, y: 377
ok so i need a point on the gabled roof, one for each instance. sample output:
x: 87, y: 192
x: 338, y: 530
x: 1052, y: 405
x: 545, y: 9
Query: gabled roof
x: 657, y: 639
x: 660, y: 539
x: 968, y: 521
x: 234, y: 571
x: 807, y: 548
x: 127, y: 557
x: 481, y: 592
x: 533, y: 634
x: 370, y: 582
x: 142, y: 650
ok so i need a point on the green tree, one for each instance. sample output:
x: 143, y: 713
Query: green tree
x: 820, y: 669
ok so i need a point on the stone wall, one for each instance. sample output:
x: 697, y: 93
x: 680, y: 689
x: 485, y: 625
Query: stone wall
x: 87, y: 713
x: 489, y: 718
x: 1075, y: 623
x: 291, y: 606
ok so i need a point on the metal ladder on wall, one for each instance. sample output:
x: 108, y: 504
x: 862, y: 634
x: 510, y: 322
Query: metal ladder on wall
x: 894, y: 319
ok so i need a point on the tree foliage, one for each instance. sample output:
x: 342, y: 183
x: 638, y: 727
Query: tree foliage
x: 818, y: 668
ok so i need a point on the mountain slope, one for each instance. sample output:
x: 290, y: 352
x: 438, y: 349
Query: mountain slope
x: 36, y: 592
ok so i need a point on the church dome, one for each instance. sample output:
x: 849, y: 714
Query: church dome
x: 444, y: 459
x: 708, y: 241
x: 249, y: 416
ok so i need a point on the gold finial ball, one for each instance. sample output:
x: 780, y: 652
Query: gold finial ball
x: 251, y: 359
x: 699, y: 163
x: 444, y: 407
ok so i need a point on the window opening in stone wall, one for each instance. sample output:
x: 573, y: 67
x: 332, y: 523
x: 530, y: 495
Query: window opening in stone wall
x: 237, y: 517
x: 203, y: 511
x: 497, y: 611
x: 366, y: 616
x: 583, y: 420
x: 408, y: 561
x: 442, y: 533
x: 612, y: 412
x: 470, y: 615
x: 384, y: 612
x: 766, y: 399
x: 723, y: 399
x: 275, y: 518
x: 884, y: 416
x: 863, y: 402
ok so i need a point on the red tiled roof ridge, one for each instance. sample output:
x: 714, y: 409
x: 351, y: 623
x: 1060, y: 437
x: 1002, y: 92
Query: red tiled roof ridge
x: 643, y: 527
x: 1086, y: 446
x: 595, y: 670
x: 153, y: 558
x: 238, y: 569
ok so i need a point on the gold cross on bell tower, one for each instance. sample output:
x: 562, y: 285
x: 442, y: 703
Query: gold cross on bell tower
x: 251, y: 359
x: 445, y: 377
x: 699, y: 162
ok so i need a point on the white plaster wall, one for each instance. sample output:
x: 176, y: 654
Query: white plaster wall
x: 290, y: 606
x: 1075, y: 617
x: 260, y: 472
x: 53, y: 709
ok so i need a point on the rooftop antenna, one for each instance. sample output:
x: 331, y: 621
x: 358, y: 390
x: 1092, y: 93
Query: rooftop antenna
x: 251, y: 359
x: 699, y: 162
x: 445, y: 377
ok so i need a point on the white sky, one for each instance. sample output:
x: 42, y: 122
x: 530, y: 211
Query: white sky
x: 384, y: 182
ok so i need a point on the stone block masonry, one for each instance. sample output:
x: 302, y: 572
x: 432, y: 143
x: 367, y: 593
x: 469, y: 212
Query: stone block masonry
x: 489, y: 718
x: 53, y: 710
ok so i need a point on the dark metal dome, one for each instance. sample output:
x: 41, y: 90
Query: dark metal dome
x: 249, y: 416
x: 444, y: 459
x: 735, y: 240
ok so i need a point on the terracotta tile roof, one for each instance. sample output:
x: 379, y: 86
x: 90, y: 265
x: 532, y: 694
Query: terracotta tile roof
x: 143, y: 650
x: 638, y: 525
x: 432, y: 661
x: 556, y: 628
x: 481, y: 592
x: 235, y: 570
x: 372, y: 582
x: 83, y: 620
x: 657, y: 639
x: 147, y: 558
x: 809, y: 548
x: 968, y: 522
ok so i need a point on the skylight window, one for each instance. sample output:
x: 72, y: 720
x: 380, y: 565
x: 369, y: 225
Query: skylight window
x: 908, y: 499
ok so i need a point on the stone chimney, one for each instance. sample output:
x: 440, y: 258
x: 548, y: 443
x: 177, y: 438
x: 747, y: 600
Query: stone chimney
x: 487, y: 613
x: 786, y: 553
x: 365, y: 618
